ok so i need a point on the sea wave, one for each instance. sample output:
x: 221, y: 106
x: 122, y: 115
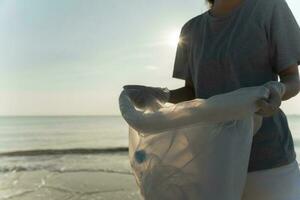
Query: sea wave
x: 15, y: 169
x: 81, y: 151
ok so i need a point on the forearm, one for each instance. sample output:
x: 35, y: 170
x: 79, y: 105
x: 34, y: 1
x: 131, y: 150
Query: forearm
x: 292, y: 86
x: 181, y: 94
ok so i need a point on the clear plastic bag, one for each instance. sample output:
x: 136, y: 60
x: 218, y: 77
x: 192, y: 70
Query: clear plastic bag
x: 196, y: 149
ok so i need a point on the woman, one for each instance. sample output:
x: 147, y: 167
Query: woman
x: 241, y: 43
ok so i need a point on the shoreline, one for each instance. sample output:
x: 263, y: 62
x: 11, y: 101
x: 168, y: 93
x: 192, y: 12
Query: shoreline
x: 81, y: 151
x: 68, y: 177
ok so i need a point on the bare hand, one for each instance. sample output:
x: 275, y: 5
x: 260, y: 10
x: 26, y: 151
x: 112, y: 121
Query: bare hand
x: 269, y: 107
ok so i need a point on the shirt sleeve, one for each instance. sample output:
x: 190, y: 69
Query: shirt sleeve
x: 181, y: 68
x: 284, y: 34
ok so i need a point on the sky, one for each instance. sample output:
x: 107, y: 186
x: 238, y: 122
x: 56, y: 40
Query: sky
x: 72, y: 57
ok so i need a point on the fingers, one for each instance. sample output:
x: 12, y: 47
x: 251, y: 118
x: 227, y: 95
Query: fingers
x: 278, y: 86
x: 261, y: 103
x: 266, y: 108
x: 275, y: 98
x: 264, y: 113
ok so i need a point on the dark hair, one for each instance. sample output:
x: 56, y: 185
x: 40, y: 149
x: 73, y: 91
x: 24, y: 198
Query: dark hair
x: 210, y: 2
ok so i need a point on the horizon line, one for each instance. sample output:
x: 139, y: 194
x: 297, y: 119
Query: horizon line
x: 66, y: 115
x: 87, y: 115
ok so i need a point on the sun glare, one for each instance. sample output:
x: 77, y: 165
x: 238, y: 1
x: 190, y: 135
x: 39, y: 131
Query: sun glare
x: 173, y: 38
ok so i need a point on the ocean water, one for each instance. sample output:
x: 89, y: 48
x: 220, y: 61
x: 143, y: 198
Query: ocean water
x: 40, y: 156
x: 294, y: 125
x: 63, y: 157
x: 32, y: 143
x: 63, y: 144
x: 32, y: 133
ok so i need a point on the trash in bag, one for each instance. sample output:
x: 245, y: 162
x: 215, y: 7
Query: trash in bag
x: 192, y: 150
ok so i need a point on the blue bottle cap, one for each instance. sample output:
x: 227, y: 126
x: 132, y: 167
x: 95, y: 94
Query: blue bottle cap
x: 140, y: 156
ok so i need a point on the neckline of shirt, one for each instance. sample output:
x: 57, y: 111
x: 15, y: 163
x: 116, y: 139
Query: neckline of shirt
x: 225, y: 16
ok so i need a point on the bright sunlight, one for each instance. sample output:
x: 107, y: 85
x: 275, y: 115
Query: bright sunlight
x: 173, y: 38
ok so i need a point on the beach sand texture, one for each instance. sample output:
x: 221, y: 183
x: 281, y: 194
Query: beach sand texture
x: 110, y: 180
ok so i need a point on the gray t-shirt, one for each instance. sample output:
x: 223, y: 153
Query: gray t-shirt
x: 247, y: 47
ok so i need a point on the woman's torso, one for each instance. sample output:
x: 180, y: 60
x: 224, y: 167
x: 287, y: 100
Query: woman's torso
x: 231, y: 52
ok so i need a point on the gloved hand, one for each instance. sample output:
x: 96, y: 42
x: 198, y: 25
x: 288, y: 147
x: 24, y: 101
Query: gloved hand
x: 144, y: 96
x: 271, y: 105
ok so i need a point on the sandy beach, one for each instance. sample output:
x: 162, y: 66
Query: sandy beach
x: 111, y: 180
x: 70, y: 158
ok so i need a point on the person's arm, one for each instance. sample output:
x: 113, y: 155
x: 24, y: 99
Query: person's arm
x: 283, y: 35
x: 290, y: 78
x: 185, y: 93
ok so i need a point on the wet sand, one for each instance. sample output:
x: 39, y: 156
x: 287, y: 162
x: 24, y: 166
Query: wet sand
x: 107, y: 182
